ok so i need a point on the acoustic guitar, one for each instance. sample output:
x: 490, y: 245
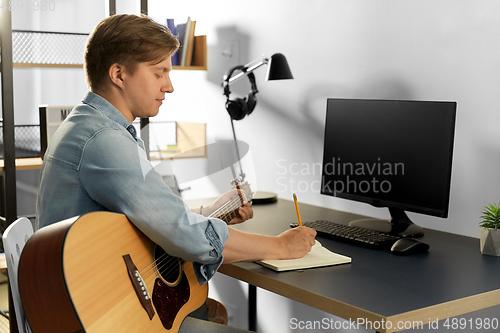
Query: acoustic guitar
x: 99, y: 273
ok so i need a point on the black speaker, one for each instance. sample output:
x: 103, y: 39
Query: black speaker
x: 240, y: 107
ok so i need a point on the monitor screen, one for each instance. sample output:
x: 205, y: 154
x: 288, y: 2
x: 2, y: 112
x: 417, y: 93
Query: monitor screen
x: 390, y: 153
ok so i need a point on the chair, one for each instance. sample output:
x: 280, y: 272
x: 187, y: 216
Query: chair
x: 14, y: 239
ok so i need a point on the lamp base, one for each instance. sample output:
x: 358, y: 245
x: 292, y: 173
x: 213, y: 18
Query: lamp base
x: 261, y: 197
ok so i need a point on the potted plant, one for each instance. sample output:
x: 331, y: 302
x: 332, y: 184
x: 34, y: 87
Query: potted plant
x: 490, y: 230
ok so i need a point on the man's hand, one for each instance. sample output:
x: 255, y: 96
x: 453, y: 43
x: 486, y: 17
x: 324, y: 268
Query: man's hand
x: 245, y: 212
x: 291, y: 244
x: 297, y: 242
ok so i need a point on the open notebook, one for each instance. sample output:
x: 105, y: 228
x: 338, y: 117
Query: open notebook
x: 317, y: 257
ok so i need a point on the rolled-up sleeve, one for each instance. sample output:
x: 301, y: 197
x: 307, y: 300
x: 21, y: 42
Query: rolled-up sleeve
x: 117, y: 175
x: 205, y: 272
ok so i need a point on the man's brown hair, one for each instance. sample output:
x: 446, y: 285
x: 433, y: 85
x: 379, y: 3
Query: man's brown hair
x: 127, y: 40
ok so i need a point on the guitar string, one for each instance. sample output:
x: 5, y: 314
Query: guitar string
x: 247, y: 187
x: 172, y: 263
x: 160, y: 263
x: 235, y: 204
x: 232, y: 203
x: 168, y: 267
x: 240, y: 196
x: 223, y: 207
x: 155, y: 263
x: 232, y: 211
x: 228, y: 208
x: 229, y: 215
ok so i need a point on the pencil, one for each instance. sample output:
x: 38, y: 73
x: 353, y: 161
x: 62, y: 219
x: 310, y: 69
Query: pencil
x: 297, y: 209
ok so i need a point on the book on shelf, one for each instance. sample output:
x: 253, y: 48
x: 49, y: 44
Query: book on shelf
x: 188, y: 53
x: 319, y: 256
x: 185, y: 42
x: 171, y: 26
x: 181, y: 30
x: 190, y: 45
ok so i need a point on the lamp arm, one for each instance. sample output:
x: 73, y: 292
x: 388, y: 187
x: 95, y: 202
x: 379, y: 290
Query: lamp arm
x: 242, y: 174
x: 248, y: 68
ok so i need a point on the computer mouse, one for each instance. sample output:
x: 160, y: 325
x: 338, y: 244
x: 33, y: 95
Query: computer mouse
x: 409, y: 246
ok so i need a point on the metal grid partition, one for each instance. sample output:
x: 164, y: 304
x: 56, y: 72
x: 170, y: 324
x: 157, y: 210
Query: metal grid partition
x: 27, y: 141
x: 4, y: 322
x: 48, y: 48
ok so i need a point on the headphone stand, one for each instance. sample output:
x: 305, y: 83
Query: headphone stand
x: 242, y: 174
x: 259, y: 197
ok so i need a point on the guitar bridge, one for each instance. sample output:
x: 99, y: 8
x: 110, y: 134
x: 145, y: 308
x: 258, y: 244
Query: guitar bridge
x: 139, y: 286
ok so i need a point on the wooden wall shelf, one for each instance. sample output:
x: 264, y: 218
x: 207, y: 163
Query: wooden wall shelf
x: 191, y: 142
x: 26, y: 65
x: 199, y: 62
x: 190, y: 68
x: 24, y: 163
x: 22, y: 65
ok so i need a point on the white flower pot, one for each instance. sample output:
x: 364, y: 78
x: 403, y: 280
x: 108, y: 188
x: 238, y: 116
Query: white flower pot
x: 490, y: 242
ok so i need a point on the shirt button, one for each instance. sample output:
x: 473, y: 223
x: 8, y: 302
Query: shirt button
x: 131, y: 129
x: 213, y: 272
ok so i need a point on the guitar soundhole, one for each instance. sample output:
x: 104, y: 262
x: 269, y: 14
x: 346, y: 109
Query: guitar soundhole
x: 171, y: 290
x: 169, y: 268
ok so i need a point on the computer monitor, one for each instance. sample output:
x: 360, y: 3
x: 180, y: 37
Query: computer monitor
x: 390, y: 153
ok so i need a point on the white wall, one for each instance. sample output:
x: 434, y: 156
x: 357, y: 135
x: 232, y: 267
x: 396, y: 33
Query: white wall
x: 396, y: 49
x: 428, y: 50
x: 401, y: 49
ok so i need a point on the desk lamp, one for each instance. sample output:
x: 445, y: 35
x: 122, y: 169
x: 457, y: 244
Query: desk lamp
x: 238, y: 108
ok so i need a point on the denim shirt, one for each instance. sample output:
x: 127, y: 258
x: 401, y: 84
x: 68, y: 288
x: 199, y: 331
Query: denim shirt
x: 96, y: 162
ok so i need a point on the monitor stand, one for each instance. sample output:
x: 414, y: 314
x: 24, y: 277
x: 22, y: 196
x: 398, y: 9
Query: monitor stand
x: 399, y: 224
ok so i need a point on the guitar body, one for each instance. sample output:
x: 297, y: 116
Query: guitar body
x: 73, y: 277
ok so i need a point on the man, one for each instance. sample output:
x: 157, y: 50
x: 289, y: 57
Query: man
x: 96, y: 161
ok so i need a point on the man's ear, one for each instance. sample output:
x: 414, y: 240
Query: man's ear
x: 116, y: 73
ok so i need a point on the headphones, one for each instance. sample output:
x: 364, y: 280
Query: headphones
x: 240, y: 107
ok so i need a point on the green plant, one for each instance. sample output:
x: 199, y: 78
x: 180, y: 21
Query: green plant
x: 491, y: 217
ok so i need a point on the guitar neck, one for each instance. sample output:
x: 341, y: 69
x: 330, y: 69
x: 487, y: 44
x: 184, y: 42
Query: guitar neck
x: 229, y: 210
x: 226, y: 217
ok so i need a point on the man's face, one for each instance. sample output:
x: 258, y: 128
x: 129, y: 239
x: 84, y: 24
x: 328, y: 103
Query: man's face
x: 145, y: 90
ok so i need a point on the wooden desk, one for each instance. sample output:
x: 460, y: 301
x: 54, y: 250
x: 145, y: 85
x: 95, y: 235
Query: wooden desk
x: 453, y: 278
x: 24, y: 163
x: 21, y: 164
x: 3, y: 264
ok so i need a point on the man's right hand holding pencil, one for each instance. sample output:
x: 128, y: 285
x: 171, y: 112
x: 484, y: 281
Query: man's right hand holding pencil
x: 297, y: 242
x: 291, y: 244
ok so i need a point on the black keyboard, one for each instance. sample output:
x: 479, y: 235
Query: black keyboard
x: 351, y: 234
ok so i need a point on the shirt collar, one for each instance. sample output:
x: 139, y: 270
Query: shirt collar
x: 106, y: 108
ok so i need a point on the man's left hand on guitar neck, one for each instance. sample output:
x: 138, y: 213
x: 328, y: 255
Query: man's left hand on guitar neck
x: 245, y: 212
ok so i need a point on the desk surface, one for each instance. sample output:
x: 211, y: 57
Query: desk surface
x: 453, y: 278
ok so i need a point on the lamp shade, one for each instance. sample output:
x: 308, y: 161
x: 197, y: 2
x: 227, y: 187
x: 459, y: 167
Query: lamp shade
x: 278, y: 68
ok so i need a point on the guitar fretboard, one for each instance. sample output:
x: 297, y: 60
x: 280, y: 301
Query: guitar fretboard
x: 229, y: 210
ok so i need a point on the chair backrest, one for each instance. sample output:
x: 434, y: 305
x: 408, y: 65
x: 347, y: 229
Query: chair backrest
x: 14, y: 238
